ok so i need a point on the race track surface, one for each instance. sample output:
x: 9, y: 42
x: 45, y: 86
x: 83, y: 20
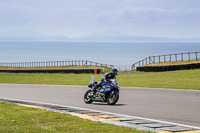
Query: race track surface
x: 171, y: 105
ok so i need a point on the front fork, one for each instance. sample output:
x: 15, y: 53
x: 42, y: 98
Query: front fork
x: 112, y: 92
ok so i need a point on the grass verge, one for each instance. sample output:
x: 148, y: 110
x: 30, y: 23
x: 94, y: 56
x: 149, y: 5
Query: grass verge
x: 14, y: 118
x: 184, y: 79
x: 106, y: 69
x: 171, y: 63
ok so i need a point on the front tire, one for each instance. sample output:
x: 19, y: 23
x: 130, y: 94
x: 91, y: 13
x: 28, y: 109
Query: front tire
x: 87, y: 97
x: 111, y: 100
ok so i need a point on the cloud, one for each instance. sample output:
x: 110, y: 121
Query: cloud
x: 81, y: 17
x: 151, y: 18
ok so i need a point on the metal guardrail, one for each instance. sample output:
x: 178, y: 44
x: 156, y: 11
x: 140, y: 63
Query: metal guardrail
x: 64, y: 63
x: 148, y: 60
x: 166, y: 58
x: 124, y: 67
x: 54, y: 64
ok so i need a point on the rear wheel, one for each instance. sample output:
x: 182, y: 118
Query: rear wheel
x: 111, y: 100
x: 87, y: 96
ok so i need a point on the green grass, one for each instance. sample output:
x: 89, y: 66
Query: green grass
x: 170, y: 63
x: 17, y: 119
x: 44, y: 78
x: 185, y: 79
x: 106, y: 69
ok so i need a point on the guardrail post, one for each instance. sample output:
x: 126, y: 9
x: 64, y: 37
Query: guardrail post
x: 196, y: 55
x: 182, y: 56
x: 189, y: 56
x: 149, y: 60
x: 164, y: 58
x: 159, y: 58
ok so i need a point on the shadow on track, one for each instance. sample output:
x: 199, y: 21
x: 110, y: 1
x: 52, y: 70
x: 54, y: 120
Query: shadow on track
x: 109, y: 105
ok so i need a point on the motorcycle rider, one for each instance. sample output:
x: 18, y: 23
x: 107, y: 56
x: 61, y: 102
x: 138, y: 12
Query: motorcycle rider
x: 106, y: 79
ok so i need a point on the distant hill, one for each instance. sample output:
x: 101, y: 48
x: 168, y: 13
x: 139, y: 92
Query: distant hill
x: 29, y: 35
x: 116, y: 36
x: 110, y: 36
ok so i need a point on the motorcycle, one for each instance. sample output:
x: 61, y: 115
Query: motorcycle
x: 108, y: 93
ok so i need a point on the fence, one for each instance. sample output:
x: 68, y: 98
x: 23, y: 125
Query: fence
x: 124, y: 67
x: 170, y: 57
x: 54, y: 64
x: 148, y: 60
x: 64, y: 63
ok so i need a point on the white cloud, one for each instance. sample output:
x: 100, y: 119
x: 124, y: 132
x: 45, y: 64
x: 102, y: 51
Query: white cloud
x: 80, y: 17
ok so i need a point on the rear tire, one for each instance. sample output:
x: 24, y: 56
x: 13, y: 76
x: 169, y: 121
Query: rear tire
x: 87, y: 97
x: 111, y: 100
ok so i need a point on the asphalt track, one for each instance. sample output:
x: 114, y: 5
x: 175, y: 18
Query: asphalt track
x: 171, y: 105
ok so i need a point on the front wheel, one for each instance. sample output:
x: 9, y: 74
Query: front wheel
x: 111, y: 100
x: 87, y: 96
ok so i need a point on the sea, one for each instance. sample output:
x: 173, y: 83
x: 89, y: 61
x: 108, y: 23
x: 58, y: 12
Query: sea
x: 113, y: 53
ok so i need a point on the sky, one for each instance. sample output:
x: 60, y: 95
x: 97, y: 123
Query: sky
x: 76, y: 18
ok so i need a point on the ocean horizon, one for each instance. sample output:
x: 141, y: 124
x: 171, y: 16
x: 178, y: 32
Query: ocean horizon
x: 113, y: 53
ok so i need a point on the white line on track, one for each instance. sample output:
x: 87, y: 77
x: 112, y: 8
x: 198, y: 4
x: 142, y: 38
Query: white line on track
x: 121, y: 115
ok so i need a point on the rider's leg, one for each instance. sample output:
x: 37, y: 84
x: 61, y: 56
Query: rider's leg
x: 99, y: 84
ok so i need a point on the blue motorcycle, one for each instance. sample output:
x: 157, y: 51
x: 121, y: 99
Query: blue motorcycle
x: 108, y: 93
